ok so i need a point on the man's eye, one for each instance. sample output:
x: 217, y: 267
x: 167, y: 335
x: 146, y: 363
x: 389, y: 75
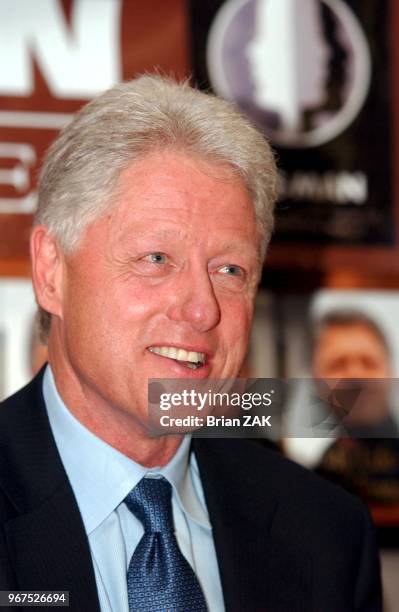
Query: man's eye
x: 232, y: 270
x: 157, y: 258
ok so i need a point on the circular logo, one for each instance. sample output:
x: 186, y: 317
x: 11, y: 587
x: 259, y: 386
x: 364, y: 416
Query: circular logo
x: 301, y: 70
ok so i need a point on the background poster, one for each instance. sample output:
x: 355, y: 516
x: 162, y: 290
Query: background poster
x: 316, y: 76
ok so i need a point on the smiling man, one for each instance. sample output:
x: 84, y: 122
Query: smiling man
x: 155, y: 209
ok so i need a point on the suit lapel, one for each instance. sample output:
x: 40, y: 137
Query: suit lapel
x: 49, y: 551
x: 46, y: 540
x: 259, y: 570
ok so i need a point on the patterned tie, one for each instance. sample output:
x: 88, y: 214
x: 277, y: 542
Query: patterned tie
x: 159, y: 578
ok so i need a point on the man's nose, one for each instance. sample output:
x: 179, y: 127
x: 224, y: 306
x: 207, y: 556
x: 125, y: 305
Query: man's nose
x: 195, y: 302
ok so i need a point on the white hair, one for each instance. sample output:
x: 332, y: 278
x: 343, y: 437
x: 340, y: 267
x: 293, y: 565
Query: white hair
x: 129, y: 121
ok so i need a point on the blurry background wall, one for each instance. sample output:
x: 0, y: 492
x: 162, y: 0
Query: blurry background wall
x: 320, y: 77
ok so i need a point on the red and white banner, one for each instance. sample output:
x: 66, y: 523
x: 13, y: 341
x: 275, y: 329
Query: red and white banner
x: 55, y: 55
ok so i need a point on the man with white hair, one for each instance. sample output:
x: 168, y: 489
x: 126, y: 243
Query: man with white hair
x: 155, y: 209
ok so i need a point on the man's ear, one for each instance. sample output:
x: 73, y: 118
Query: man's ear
x: 47, y: 269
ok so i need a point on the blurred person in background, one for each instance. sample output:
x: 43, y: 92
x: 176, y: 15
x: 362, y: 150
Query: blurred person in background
x: 155, y: 210
x: 350, y: 347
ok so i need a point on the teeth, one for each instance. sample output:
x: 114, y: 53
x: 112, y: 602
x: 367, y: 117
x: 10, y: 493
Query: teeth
x: 178, y: 354
x: 181, y: 355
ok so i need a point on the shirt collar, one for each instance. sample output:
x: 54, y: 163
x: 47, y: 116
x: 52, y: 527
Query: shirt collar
x: 101, y: 476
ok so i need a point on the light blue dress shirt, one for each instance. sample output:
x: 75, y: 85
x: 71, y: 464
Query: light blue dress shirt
x: 101, y: 477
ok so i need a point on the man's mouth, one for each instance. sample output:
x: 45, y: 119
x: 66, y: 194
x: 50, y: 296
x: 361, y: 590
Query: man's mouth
x: 192, y: 359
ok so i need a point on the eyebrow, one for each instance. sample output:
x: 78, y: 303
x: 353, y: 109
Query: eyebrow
x: 239, y: 246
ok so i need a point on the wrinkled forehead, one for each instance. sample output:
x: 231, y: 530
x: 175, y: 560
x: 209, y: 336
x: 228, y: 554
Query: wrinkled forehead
x: 178, y: 170
x: 170, y: 183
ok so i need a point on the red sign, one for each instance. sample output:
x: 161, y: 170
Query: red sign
x: 55, y: 55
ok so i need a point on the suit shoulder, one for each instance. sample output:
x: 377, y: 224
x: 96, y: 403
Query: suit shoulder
x: 269, y: 472
x: 20, y: 406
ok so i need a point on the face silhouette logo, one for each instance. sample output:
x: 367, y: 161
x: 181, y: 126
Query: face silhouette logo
x: 299, y: 68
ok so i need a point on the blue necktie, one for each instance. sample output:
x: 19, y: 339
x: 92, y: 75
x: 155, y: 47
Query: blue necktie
x: 159, y: 578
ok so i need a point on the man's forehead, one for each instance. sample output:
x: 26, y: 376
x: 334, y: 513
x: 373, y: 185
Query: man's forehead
x: 161, y: 173
x: 351, y: 336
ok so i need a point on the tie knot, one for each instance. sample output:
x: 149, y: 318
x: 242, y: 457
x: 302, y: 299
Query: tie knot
x: 151, y: 502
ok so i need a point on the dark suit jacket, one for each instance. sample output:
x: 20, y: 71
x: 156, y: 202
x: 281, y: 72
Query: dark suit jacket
x: 285, y: 539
